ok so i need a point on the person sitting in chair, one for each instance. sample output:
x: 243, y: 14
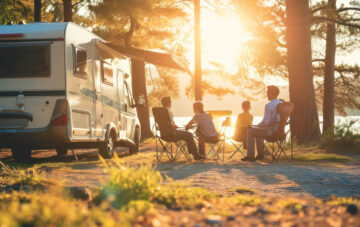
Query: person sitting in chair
x: 267, y: 127
x: 205, y: 126
x: 181, y: 134
x: 243, y: 122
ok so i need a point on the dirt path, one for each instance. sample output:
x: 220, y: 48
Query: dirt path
x: 304, y: 180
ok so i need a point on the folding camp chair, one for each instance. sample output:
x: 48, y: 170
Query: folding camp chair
x: 167, y: 143
x: 217, y: 146
x: 277, y: 141
x: 238, y: 140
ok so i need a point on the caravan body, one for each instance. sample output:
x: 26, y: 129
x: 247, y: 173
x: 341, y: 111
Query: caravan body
x: 59, y: 89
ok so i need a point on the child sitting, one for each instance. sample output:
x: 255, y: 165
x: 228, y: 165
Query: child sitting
x: 243, y: 121
x: 205, y: 126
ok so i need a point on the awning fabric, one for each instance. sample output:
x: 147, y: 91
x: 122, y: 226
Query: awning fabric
x: 147, y: 56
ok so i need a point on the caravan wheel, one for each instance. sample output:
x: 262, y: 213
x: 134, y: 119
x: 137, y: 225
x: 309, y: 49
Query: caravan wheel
x: 106, y: 149
x: 21, y: 154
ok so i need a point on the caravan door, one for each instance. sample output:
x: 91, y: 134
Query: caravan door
x: 121, y: 123
x: 130, y: 111
x: 98, y: 131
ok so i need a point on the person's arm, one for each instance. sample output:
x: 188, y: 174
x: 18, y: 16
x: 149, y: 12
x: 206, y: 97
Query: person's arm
x: 172, y: 120
x: 189, y: 124
x: 266, y: 120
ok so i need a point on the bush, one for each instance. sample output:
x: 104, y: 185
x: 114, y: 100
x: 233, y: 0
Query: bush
x: 23, y: 179
x: 45, y: 209
x: 145, y: 184
x: 179, y: 196
x: 126, y: 184
x: 341, y: 137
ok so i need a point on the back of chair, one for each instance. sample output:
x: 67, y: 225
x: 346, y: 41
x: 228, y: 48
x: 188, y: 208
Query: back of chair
x: 240, y: 134
x: 284, y: 109
x: 163, y: 121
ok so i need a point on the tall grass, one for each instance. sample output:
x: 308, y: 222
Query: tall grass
x: 49, y: 209
x: 24, y: 179
x: 145, y: 184
x: 341, y: 137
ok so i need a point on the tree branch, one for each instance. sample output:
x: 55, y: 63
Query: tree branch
x: 318, y: 9
x: 347, y: 9
x: 335, y: 21
x: 318, y: 60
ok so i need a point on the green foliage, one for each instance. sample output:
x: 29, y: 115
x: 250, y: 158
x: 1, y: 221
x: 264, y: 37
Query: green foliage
x: 46, y: 209
x: 341, y: 137
x: 179, y: 196
x: 128, y: 187
x: 247, y: 200
x: 24, y: 179
x: 293, y: 204
x: 15, y: 10
x: 341, y: 201
x: 126, y: 184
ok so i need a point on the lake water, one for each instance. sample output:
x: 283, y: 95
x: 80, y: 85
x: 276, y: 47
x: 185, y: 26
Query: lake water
x: 181, y: 121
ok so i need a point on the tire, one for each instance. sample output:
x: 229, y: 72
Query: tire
x: 106, y: 149
x: 61, y: 151
x: 21, y: 154
x: 135, y: 148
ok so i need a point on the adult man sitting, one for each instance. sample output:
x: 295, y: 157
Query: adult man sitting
x: 181, y: 134
x: 267, y: 127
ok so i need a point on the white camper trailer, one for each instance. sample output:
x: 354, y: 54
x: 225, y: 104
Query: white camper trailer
x: 62, y: 87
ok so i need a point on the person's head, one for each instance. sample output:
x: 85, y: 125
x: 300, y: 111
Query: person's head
x: 272, y: 92
x: 246, y: 106
x: 198, y: 107
x: 166, y: 101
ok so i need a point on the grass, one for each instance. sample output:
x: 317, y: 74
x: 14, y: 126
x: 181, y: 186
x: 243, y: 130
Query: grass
x: 126, y: 184
x: 343, y: 201
x: 341, y: 137
x: 130, y: 196
x: 246, y: 200
x: 21, y: 179
x: 293, y: 204
x: 321, y: 157
x: 243, y: 190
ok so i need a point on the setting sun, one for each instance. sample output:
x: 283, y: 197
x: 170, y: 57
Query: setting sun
x: 222, y: 39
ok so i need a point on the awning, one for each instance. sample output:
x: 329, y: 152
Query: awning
x: 108, y: 52
x: 147, y: 56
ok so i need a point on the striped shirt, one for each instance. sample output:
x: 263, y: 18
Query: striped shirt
x: 205, y: 124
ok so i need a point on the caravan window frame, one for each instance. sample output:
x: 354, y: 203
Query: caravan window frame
x: 28, y: 44
x: 103, y: 78
x: 83, y: 75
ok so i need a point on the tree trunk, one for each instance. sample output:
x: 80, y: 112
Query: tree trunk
x: 67, y: 10
x: 304, y: 119
x: 329, y: 77
x: 197, y: 32
x: 37, y: 10
x: 139, y: 88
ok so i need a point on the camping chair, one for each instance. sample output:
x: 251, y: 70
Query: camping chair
x: 277, y: 141
x: 166, y: 140
x: 238, y: 140
x: 216, y: 147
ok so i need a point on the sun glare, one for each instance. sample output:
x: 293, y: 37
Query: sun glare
x: 222, y: 38
x: 222, y: 41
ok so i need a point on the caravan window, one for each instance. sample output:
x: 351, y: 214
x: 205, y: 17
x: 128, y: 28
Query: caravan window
x: 24, y: 60
x: 80, y: 62
x: 107, y: 75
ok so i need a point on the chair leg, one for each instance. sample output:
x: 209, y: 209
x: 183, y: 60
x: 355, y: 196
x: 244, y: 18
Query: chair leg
x: 238, y: 149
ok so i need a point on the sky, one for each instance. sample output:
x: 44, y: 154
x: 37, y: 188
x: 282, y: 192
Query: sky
x: 221, y: 43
